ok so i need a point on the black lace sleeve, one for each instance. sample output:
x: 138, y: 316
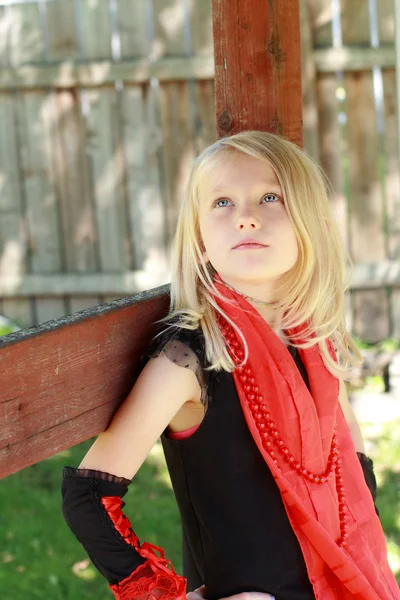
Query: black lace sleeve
x: 185, y: 348
x: 73, y: 472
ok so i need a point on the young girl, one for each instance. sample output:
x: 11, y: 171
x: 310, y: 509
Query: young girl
x: 245, y: 387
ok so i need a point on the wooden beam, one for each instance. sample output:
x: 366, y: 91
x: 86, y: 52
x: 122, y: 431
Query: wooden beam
x: 69, y: 74
x: 61, y: 382
x: 258, y: 67
x: 365, y: 276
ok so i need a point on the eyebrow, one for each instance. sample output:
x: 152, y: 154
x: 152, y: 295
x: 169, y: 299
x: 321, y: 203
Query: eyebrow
x: 218, y: 190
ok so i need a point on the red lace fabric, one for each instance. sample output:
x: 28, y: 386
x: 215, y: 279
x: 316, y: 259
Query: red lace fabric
x: 156, y: 579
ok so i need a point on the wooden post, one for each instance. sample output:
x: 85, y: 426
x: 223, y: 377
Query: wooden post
x: 62, y: 382
x: 258, y: 67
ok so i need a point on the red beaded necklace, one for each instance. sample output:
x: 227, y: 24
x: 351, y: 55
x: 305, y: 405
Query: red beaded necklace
x: 270, y: 435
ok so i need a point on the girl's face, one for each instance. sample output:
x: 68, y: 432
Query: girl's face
x: 240, y: 199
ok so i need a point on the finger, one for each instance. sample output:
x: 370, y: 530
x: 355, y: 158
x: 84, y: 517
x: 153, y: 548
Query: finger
x: 197, y: 594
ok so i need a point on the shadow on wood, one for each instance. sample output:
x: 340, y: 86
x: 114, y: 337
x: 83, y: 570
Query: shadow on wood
x: 62, y: 381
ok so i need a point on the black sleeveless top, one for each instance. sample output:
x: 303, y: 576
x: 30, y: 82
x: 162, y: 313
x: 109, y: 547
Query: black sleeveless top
x: 236, y: 535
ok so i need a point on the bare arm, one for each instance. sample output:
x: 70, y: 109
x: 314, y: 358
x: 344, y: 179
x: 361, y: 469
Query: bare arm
x: 159, y: 392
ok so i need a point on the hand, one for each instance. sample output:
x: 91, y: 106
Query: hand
x: 199, y: 594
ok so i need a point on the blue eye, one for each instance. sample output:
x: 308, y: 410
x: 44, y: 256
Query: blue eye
x: 218, y: 201
x: 271, y: 194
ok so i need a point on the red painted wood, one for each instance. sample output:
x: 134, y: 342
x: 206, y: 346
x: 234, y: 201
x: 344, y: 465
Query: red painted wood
x: 62, y: 381
x: 258, y: 67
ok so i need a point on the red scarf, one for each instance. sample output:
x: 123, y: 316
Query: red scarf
x: 293, y: 429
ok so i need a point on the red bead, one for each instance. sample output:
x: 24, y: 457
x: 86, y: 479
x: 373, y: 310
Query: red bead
x: 260, y: 398
x: 270, y: 424
x: 316, y: 479
x: 248, y: 371
x: 258, y: 416
x: 267, y: 443
x: 262, y: 425
x: 297, y: 465
x: 291, y: 459
x: 280, y: 442
x: 256, y: 389
x: 265, y: 435
x: 323, y: 479
x: 285, y: 450
x: 251, y: 397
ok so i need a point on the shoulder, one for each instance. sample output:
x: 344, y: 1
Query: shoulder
x: 173, y: 336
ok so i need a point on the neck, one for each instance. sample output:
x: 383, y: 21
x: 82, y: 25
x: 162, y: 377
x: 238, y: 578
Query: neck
x: 271, y: 315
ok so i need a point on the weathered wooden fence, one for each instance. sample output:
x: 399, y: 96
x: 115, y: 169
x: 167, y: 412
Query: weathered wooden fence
x: 104, y: 104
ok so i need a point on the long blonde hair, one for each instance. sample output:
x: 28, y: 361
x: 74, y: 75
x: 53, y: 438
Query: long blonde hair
x: 312, y: 291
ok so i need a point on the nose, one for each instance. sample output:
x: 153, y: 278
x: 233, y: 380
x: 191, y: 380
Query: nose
x: 247, y: 221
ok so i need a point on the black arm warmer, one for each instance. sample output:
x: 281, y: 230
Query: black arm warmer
x: 91, y: 525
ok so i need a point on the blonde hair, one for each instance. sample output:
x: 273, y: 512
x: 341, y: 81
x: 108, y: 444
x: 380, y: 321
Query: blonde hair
x: 312, y: 291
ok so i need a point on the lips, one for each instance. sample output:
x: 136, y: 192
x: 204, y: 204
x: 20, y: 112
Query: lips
x: 250, y: 243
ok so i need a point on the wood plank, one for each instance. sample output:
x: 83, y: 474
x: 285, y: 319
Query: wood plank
x: 42, y: 208
x: 146, y: 207
x: 69, y: 74
x: 257, y: 67
x: 133, y: 19
x: 365, y: 276
x: 95, y: 25
x: 201, y: 28
x: 367, y: 213
x: 391, y: 141
x: 366, y: 209
x: 202, y: 93
x: 61, y: 31
x: 72, y: 180
x: 34, y: 422
x: 331, y: 142
x: 104, y: 130
x: 308, y: 82
x: 26, y: 42
x: 5, y: 25
x: 99, y: 73
x: 13, y: 239
x: 178, y: 155
x: 169, y: 29
x: 205, y: 121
